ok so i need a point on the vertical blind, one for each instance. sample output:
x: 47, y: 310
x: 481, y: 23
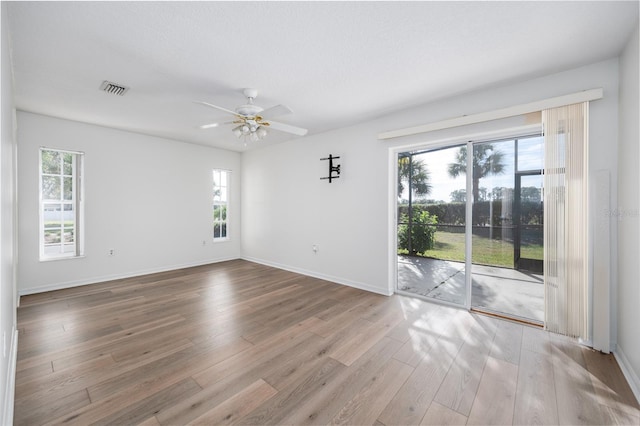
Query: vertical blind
x: 565, y: 219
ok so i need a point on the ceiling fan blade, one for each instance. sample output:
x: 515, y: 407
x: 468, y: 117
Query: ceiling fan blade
x: 210, y: 125
x: 276, y: 111
x: 228, y: 111
x: 287, y: 128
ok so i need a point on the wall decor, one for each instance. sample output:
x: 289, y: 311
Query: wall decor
x: 332, y: 169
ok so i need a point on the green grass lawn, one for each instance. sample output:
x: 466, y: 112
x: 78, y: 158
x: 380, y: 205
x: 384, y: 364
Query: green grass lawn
x: 450, y: 246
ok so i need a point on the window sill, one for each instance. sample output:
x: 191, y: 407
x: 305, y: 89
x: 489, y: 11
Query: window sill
x: 54, y: 259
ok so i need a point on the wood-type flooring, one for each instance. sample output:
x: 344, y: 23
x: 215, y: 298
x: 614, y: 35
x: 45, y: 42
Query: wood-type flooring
x: 242, y: 343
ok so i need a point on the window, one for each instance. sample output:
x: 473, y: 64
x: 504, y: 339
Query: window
x: 60, y: 204
x: 220, y: 204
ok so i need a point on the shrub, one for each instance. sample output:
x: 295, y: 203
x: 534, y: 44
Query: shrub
x: 422, y: 232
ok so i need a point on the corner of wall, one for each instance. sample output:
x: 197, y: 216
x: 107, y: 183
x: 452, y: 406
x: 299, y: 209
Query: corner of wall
x: 8, y: 218
x: 626, y: 214
x: 10, y: 386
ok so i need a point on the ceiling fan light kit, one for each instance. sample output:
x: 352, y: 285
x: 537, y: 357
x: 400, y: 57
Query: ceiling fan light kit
x: 251, y: 126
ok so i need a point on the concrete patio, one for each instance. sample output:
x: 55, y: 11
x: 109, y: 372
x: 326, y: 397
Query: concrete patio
x: 499, y: 290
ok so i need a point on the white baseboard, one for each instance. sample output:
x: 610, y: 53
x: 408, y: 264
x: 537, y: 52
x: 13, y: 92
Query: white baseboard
x: 629, y: 373
x: 10, y: 385
x: 104, y: 278
x: 338, y: 280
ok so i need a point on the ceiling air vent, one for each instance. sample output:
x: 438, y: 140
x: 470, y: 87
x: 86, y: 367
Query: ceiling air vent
x: 113, y: 88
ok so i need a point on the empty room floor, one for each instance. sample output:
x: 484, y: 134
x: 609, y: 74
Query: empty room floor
x: 242, y: 343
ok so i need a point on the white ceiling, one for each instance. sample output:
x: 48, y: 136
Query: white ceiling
x: 333, y: 63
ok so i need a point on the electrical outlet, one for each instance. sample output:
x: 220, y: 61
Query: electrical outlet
x: 204, y: 242
x: 112, y: 252
x: 314, y: 248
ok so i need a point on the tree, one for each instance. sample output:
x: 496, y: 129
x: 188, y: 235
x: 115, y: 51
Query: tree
x: 500, y: 192
x: 458, y: 196
x: 408, y: 166
x: 486, y: 161
x: 531, y: 194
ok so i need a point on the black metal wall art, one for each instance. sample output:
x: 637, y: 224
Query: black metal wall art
x: 334, y: 171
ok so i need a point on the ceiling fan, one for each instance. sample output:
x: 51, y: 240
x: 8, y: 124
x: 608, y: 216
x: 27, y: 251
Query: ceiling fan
x: 250, y: 119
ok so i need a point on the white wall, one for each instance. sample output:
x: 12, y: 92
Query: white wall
x: 628, y: 216
x: 148, y: 198
x: 8, y: 297
x: 287, y: 208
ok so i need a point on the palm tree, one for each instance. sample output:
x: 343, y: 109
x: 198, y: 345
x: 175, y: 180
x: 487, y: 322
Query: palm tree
x: 486, y: 161
x: 410, y: 237
x: 417, y: 170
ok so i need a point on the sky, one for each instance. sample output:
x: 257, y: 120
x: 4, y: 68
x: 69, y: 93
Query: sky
x: 530, y: 156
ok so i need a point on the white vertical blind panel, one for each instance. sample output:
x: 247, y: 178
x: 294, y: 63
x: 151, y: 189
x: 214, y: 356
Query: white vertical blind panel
x: 565, y: 219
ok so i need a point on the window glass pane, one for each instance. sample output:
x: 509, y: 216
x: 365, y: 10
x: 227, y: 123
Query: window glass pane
x: 68, y: 215
x: 223, y: 179
x: 68, y: 188
x: 223, y: 230
x: 223, y: 213
x: 50, y: 162
x: 431, y: 223
x: 216, y: 178
x: 216, y: 230
x: 50, y: 188
x: 216, y: 212
x: 223, y: 194
x: 69, y: 236
x: 530, y: 154
x: 52, y: 236
x: 52, y: 215
x: 68, y: 163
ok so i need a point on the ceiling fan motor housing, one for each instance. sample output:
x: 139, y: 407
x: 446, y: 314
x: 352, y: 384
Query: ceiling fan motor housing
x: 249, y: 110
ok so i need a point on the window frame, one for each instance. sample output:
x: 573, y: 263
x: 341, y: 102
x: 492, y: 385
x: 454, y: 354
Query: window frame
x: 223, y: 204
x: 76, y: 202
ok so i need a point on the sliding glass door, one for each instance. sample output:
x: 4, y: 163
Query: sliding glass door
x: 507, y: 248
x: 431, y: 220
x: 480, y: 213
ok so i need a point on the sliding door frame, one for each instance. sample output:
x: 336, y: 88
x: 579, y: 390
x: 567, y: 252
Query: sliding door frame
x: 470, y: 141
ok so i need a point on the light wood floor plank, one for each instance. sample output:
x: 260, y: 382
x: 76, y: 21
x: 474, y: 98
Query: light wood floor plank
x: 321, y: 407
x: 536, y: 391
x: 495, y: 399
x: 439, y: 415
x: 570, y: 373
x: 535, y: 339
x: 609, y: 383
x: 416, y: 395
x: 152, y: 405
x: 276, y: 408
x: 613, y: 416
x: 507, y: 342
x: 238, y: 405
x: 458, y: 390
x: 367, y: 405
x: 53, y: 408
x: 420, y: 319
